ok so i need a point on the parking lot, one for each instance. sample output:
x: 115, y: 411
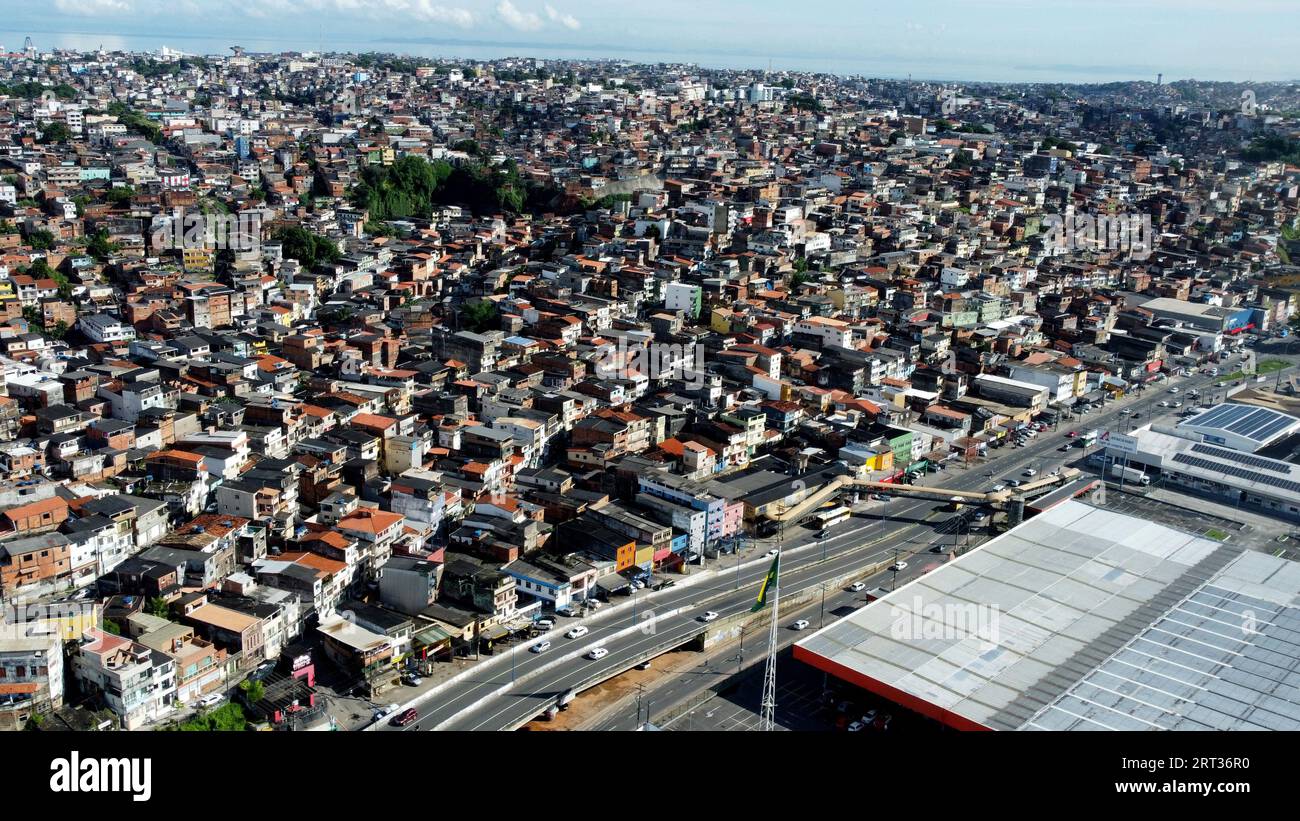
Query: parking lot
x: 807, y: 700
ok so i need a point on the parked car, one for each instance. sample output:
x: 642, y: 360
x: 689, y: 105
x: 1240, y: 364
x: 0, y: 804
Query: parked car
x: 566, y: 611
x: 856, y: 727
x: 411, y: 680
x: 211, y: 699
x: 707, y: 617
x: 880, y: 497
x: 543, y: 625
x: 406, y: 718
x: 384, y: 712
x: 540, y: 647
x: 597, y: 653
x: 577, y: 632
x: 801, y: 624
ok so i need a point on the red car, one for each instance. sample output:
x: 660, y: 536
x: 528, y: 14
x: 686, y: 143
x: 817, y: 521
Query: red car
x: 406, y: 718
x: 1072, y: 434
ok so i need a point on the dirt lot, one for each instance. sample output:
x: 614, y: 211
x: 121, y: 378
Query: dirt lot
x: 591, y: 703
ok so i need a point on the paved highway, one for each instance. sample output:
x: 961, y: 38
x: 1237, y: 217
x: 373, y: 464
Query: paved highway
x: 509, y: 694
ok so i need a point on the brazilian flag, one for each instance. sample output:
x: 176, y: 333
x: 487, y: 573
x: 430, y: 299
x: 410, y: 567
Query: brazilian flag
x: 769, y: 583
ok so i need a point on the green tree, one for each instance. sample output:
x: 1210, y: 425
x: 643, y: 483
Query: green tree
x: 41, y: 240
x: 100, y: 247
x: 254, y: 691
x: 157, y: 606
x: 121, y: 194
x: 805, y: 102
x: 479, y: 316
x: 55, y: 132
x: 229, y: 717
x: 470, y: 147
x: 308, y: 248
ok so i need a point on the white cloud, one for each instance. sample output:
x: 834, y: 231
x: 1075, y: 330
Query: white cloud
x: 424, y: 11
x: 566, y: 20
x: 93, y: 8
x: 516, y: 19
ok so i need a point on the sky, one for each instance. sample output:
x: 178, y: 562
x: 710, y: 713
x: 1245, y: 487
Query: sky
x: 1011, y: 40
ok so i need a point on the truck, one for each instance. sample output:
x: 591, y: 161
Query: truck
x: 1130, y: 475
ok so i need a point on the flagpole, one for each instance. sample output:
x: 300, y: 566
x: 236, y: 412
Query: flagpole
x: 768, y: 721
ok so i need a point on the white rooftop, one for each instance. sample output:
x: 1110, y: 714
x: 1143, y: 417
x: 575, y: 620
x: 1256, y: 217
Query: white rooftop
x: 1083, y: 618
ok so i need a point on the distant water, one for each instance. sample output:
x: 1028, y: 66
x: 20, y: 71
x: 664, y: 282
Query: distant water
x: 996, y: 69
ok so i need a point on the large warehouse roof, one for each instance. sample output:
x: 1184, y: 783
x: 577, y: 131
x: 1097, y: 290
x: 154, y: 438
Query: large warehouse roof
x: 1083, y: 618
x: 1244, y: 427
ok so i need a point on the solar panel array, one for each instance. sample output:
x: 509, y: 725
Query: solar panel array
x: 1242, y: 458
x: 1240, y: 473
x: 1220, y: 660
x: 1259, y: 424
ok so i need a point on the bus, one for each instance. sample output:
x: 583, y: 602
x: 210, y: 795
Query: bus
x: 1090, y: 438
x: 827, y: 518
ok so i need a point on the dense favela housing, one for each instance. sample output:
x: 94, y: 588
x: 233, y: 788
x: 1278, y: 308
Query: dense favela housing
x: 322, y: 366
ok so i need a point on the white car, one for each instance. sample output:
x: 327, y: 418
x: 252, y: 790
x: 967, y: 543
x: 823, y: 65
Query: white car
x: 597, y: 653
x: 1030, y: 472
x: 385, y: 712
x: 577, y: 632
x: 856, y: 727
x: 769, y: 554
x: 799, y: 625
x: 857, y: 587
x: 540, y: 647
x: 210, y: 699
x: 707, y: 617
x: 1173, y: 390
x: 898, y: 566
